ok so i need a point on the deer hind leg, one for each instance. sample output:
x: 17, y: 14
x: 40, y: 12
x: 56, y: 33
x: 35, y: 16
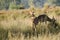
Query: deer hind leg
x: 34, y: 29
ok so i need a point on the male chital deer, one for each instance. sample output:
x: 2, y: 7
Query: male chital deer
x: 42, y: 18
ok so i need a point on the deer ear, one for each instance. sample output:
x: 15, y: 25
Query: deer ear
x: 53, y: 18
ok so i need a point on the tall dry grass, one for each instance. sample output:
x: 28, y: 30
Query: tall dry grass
x: 17, y: 24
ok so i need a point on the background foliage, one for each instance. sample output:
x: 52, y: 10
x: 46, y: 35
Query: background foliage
x: 6, y: 4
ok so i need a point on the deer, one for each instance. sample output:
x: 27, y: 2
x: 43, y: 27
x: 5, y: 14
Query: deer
x: 43, y: 18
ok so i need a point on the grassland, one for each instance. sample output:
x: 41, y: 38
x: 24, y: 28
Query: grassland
x: 16, y: 24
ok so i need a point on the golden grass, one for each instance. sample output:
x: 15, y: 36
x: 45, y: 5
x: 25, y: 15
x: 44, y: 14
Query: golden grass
x: 14, y: 23
x: 43, y: 37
